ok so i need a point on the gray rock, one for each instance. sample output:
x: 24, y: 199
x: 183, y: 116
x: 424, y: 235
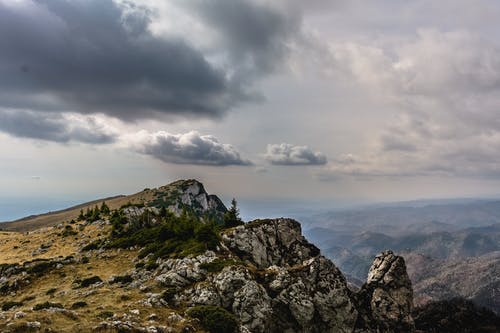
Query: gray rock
x: 270, y: 242
x: 385, y: 300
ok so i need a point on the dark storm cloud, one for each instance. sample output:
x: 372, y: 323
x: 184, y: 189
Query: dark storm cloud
x: 95, y: 56
x: 54, y: 127
x: 256, y: 36
x: 187, y: 148
x: 287, y: 154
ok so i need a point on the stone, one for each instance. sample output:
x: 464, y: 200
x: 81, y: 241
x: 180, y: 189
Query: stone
x: 385, y: 300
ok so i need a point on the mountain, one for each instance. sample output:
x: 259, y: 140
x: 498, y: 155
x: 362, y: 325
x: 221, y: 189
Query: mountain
x: 451, y: 254
x: 174, y: 197
x: 166, y: 263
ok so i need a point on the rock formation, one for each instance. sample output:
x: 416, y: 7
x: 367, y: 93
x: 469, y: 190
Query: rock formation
x: 281, y: 283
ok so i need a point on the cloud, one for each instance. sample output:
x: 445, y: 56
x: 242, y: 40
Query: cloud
x: 91, y: 56
x: 187, y: 148
x: 287, y: 154
x: 444, y: 88
x: 55, y: 127
x: 254, y: 35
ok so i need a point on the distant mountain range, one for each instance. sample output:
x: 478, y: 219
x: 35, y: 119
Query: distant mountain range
x: 451, y: 249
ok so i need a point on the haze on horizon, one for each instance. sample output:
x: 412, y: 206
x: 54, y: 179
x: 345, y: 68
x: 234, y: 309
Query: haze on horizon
x: 279, y: 101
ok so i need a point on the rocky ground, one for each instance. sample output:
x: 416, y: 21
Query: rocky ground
x: 263, y: 276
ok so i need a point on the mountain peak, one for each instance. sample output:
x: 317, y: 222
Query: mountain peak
x: 187, y: 194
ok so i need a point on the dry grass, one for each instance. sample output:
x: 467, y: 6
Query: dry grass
x: 53, y: 218
x: 58, y: 285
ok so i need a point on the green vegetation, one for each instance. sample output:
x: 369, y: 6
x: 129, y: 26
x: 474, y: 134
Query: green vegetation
x: 170, y: 236
x: 232, y: 216
x: 94, y: 214
x: 214, y: 318
x: 105, y: 209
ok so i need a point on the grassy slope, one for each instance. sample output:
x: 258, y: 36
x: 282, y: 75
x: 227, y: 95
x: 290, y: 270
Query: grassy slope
x: 112, y: 298
x: 52, y: 218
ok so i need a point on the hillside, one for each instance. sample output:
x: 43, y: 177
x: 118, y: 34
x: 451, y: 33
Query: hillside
x: 152, y: 197
x: 451, y: 254
x: 176, y: 260
x: 179, y: 261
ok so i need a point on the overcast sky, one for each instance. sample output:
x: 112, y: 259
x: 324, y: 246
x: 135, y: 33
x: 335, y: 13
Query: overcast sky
x: 331, y: 101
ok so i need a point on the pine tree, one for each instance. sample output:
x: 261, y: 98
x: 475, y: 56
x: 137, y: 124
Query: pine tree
x: 81, y: 217
x: 104, y: 208
x: 232, y: 216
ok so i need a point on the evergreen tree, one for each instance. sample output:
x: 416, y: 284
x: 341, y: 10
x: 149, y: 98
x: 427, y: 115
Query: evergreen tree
x: 104, y: 208
x: 81, y: 217
x: 232, y: 216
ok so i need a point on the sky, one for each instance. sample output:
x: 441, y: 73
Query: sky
x: 276, y: 103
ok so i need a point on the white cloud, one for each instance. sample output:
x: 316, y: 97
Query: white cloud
x: 187, y: 148
x: 287, y: 154
x: 445, y: 86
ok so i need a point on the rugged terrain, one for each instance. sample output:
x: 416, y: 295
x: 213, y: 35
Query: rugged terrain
x: 177, y: 260
x: 451, y: 250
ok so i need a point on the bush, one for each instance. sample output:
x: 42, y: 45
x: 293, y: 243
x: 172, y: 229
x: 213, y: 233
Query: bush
x: 78, y: 305
x: 123, y: 279
x: 11, y: 304
x: 173, y: 237
x: 169, y: 294
x: 214, y: 318
x: 105, y: 314
x: 90, y: 281
x: 47, y: 305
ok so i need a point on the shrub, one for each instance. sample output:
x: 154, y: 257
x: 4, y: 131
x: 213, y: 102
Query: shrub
x: 47, y: 305
x: 90, y: 281
x: 10, y: 304
x: 124, y: 279
x: 214, y: 318
x: 78, y: 305
x: 106, y: 314
x: 173, y: 237
x: 169, y: 294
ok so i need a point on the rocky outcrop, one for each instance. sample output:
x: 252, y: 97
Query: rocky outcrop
x: 385, y: 300
x: 281, y: 283
x: 270, y: 242
x: 190, y: 194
